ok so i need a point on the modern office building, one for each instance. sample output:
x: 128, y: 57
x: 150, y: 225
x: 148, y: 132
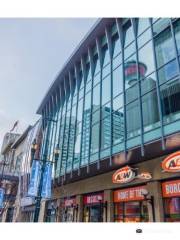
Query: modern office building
x: 115, y: 105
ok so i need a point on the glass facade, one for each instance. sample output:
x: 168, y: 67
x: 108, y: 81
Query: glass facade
x: 124, y: 92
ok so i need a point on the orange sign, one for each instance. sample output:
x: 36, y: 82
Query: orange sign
x: 123, y: 175
x: 129, y: 194
x: 171, y: 188
x: 172, y: 163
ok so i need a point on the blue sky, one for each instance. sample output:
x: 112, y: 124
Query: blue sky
x: 32, y: 52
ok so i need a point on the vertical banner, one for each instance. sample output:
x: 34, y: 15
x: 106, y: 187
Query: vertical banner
x: 47, y: 177
x: 1, y: 197
x: 34, y: 178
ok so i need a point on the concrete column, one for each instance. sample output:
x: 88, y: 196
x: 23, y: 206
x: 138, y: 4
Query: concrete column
x: 79, y: 201
x: 108, y: 197
x: 154, y: 189
x: 42, y: 211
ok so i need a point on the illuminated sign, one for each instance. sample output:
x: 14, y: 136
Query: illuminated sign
x: 172, y: 163
x: 144, y: 175
x: 129, y: 194
x: 123, y: 175
x: 93, y: 198
x: 171, y: 188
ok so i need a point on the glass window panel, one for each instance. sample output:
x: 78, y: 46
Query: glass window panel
x: 128, y: 33
x: 129, y: 50
x: 106, y: 70
x: 172, y: 209
x: 96, y: 116
x: 170, y: 100
x: 143, y: 24
x: 96, y: 79
x: 117, y: 61
x: 77, y: 151
x: 106, y: 90
x: 80, y: 109
x: 148, y: 83
x: 95, y: 138
x: 132, y: 93
x: 88, y: 86
x: 116, y: 46
x: 150, y: 111
x: 118, y: 126
x: 164, y: 48
x: 96, y: 95
x: 87, y: 104
x: 106, y: 56
x: 160, y: 25
x: 106, y: 129
x: 168, y: 72
x: 117, y: 81
x: 177, y: 34
x: 146, y: 60
x: 133, y: 119
x: 97, y: 65
x: 130, y: 71
x: 117, y: 102
x: 145, y: 37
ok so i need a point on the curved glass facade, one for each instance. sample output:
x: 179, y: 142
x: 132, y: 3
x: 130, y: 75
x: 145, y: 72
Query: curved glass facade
x: 122, y: 93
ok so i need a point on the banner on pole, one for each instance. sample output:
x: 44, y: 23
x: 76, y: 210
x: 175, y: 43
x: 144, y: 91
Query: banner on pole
x: 47, y: 177
x: 1, y: 197
x: 34, y: 178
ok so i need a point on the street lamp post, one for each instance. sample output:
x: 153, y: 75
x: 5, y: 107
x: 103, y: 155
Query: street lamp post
x: 38, y: 198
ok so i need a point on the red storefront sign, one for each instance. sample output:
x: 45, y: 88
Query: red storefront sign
x: 171, y: 188
x: 93, y: 198
x: 172, y: 163
x: 123, y: 175
x: 129, y: 194
x: 70, y: 202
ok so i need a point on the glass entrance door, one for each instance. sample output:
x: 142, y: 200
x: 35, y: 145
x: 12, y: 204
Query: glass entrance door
x: 93, y: 213
x: 135, y: 211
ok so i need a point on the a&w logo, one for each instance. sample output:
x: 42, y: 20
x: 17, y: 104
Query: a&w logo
x: 172, y: 163
x: 123, y: 175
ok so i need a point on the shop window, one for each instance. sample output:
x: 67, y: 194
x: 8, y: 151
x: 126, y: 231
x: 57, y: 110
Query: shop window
x: 135, y: 211
x: 172, y: 209
x: 164, y: 48
x: 170, y: 100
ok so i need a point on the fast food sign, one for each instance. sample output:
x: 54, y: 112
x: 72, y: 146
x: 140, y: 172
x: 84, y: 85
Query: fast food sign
x: 172, y: 163
x: 127, y: 174
x: 123, y: 175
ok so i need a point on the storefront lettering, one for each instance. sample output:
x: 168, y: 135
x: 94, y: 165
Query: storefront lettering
x: 171, y: 188
x: 129, y: 194
x: 172, y: 163
x: 93, y: 199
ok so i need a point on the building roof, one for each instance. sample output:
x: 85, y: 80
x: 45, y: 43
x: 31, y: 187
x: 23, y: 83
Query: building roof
x: 21, y: 137
x: 81, y: 49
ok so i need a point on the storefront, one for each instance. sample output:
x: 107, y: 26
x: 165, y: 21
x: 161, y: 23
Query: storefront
x: 94, y: 207
x: 171, y: 200
x: 51, y: 211
x: 69, y: 210
x: 28, y: 213
x: 130, y: 205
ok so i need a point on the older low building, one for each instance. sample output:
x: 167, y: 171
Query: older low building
x: 116, y: 105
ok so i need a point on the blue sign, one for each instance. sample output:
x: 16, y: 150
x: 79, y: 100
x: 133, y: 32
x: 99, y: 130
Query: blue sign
x: 46, y: 185
x: 1, y: 197
x: 34, y: 179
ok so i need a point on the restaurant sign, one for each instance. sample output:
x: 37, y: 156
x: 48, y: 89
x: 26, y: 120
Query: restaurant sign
x: 172, y: 163
x: 171, y: 188
x: 127, y: 174
x: 129, y: 194
x: 93, y: 198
